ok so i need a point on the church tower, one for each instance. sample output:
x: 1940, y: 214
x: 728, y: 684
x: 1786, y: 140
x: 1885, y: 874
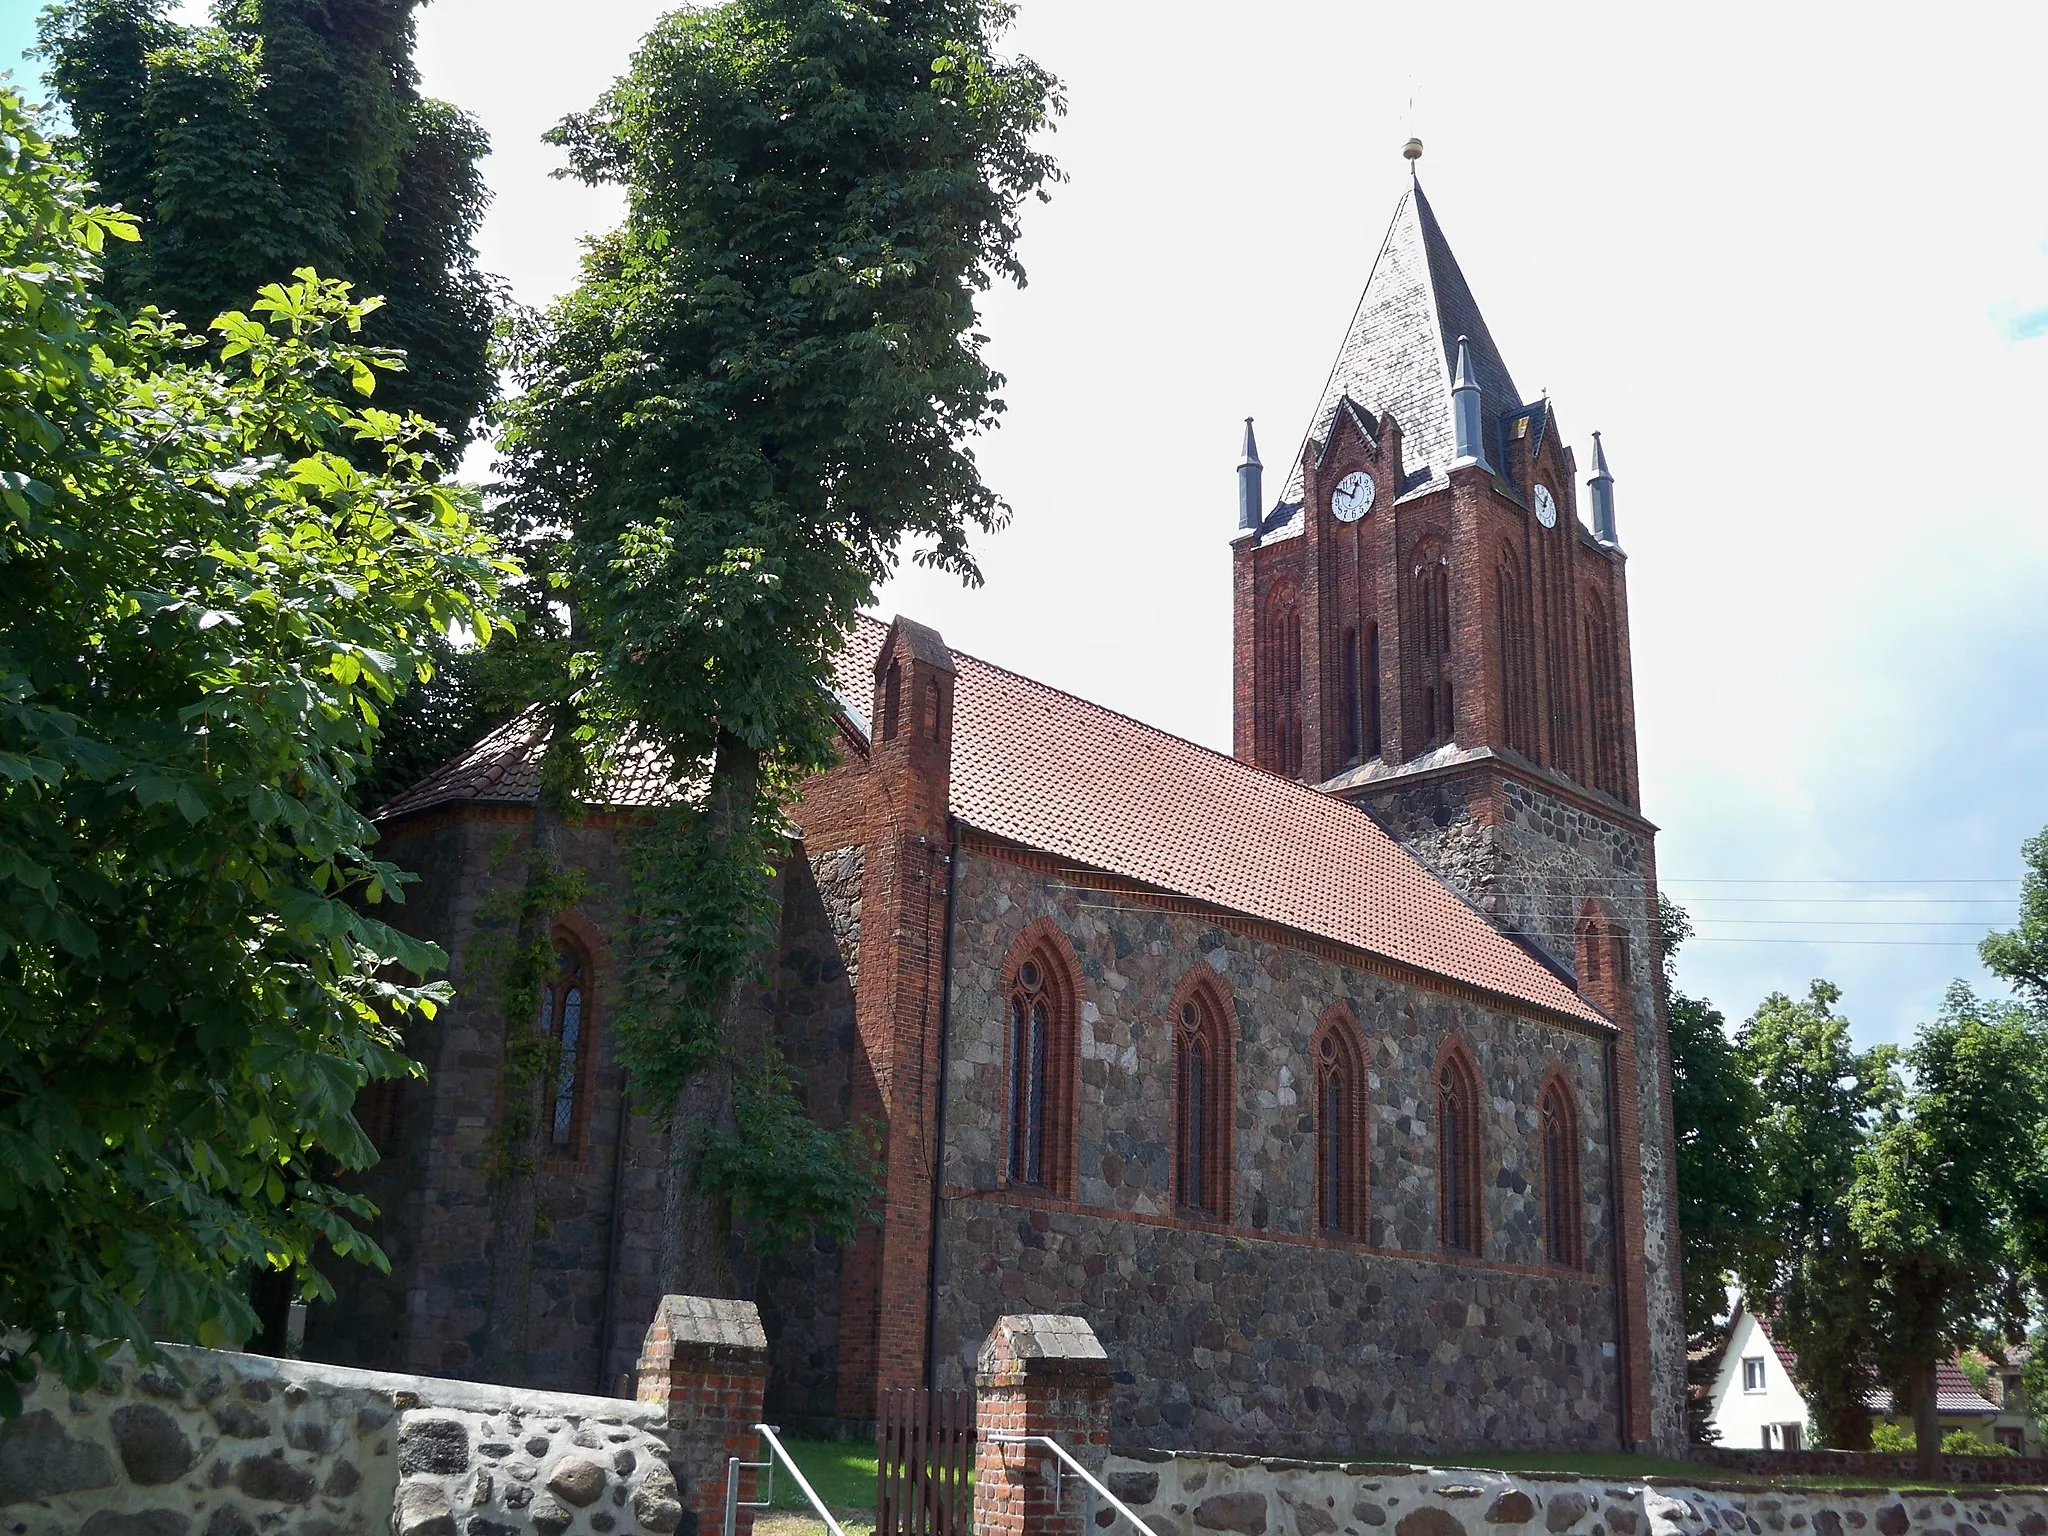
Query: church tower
x: 1427, y: 626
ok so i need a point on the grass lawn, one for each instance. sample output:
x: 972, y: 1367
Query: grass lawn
x: 843, y: 1472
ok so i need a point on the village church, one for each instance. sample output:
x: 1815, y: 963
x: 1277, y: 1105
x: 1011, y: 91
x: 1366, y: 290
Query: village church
x: 1328, y: 1080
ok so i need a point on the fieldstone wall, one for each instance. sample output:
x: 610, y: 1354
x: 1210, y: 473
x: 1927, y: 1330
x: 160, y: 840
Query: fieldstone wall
x: 1182, y: 1494
x: 1529, y: 861
x: 594, y: 1268
x: 807, y: 1000
x: 246, y: 1445
x: 1268, y: 1332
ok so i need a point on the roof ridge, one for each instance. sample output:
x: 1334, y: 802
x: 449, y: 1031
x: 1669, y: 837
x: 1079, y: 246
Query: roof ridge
x: 1318, y: 796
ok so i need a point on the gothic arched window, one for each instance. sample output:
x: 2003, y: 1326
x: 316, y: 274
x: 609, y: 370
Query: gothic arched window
x: 1563, y: 1235
x: 1372, y: 691
x: 1349, y: 649
x: 892, y: 700
x: 1342, y: 1137
x: 1604, y: 978
x: 1431, y: 615
x: 565, y: 1023
x: 1517, y: 671
x: 1458, y: 1152
x: 1039, y: 1134
x: 1603, y: 697
x: 1204, y: 1075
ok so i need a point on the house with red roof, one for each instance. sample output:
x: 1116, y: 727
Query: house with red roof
x: 1756, y: 1401
x: 1326, y: 1078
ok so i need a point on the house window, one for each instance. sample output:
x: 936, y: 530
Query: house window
x: 1783, y: 1437
x: 1753, y: 1374
x: 1562, y: 1236
x: 1202, y: 1076
x: 1040, y: 1067
x: 2012, y: 1438
x: 1458, y: 1154
x: 1340, y: 1127
x: 564, y: 1023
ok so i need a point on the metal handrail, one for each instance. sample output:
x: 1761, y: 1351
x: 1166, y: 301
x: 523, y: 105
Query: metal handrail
x: 734, y: 1504
x: 1095, y: 1488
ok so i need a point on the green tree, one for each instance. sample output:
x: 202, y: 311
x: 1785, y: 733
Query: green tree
x: 288, y: 133
x: 222, y: 563
x: 761, y: 389
x: 2020, y: 956
x: 1933, y: 1201
x: 1714, y: 1111
x: 1807, y: 1269
x: 2034, y: 1379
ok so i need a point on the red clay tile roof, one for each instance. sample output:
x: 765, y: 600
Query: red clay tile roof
x: 1953, y: 1393
x: 1055, y: 773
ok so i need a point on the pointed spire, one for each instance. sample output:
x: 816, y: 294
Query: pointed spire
x: 1602, y: 488
x: 1400, y: 350
x: 1250, y: 473
x: 1467, y: 442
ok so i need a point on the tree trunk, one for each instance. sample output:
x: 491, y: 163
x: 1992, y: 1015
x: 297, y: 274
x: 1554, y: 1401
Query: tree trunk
x: 1926, y: 1419
x: 696, y: 1249
x: 515, y: 1194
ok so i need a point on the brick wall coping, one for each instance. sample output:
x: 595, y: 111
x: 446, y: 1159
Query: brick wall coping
x: 1043, y: 1336
x: 708, y: 1322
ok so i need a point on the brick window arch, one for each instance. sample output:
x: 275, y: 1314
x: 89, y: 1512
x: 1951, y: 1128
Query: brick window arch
x: 1349, y: 736
x: 1040, y: 981
x: 1278, y: 668
x: 1603, y: 695
x: 1342, y: 1135
x: 892, y: 700
x: 1372, y: 745
x: 567, y: 1019
x: 1459, y: 1153
x: 1517, y: 657
x: 1563, y: 1193
x: 1604, y: 977
x: 1204, y: 1100
x: 1430, y: 616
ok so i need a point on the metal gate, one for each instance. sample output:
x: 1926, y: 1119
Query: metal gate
x: 924, y: 1452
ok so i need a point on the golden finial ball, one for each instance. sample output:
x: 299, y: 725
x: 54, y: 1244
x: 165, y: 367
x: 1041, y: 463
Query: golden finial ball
x: 1412, y: 150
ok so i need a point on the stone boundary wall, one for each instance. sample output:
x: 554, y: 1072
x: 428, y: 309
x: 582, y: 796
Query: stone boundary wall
x: 1184, y: 1494
x: 248, y: 1445
x: 1876, y: 1466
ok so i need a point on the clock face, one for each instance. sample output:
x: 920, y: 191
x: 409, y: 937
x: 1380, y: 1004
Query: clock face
x: 1353, y: 497
x: 1546, y: 507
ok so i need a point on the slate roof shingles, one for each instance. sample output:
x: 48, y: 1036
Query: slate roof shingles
x: 1398, y: 353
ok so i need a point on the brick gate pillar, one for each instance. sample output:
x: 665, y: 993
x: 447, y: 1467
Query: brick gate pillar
x: 1038, y: 1375
x: 706, y: 1358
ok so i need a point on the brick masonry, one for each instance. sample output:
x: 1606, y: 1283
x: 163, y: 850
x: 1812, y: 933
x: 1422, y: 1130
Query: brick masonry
x: 1267, y: 1333
x: 1038, y: 1375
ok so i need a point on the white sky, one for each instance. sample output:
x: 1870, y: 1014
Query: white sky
x: 1786, y: 257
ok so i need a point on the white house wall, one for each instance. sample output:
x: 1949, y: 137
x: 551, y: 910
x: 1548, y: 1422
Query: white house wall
x: 1741, y: 1416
